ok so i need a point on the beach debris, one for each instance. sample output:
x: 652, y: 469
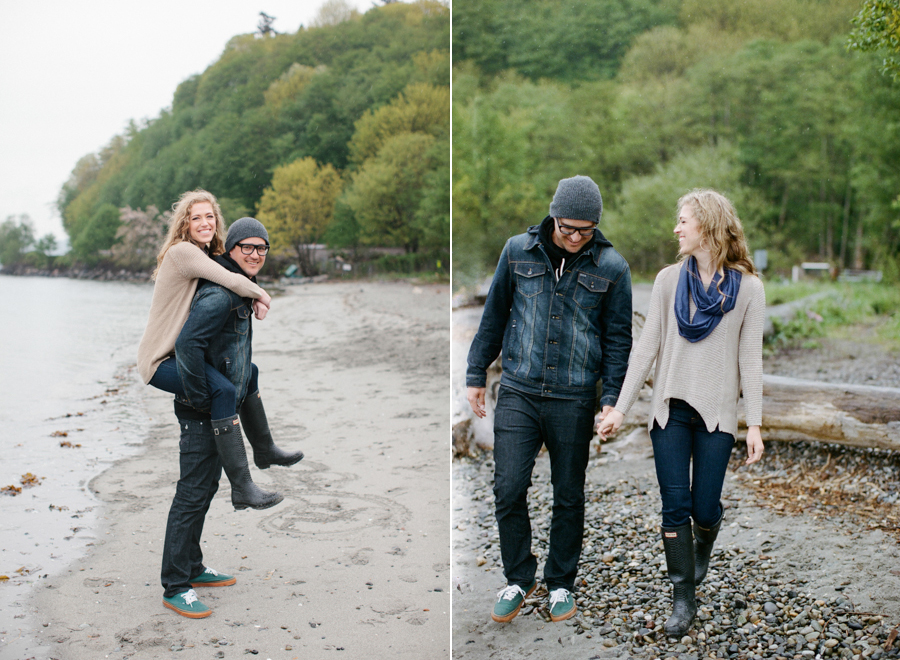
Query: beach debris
x: 29, y: 480
x: 56, y: 507
x: 66, y: 443
x: 892, y: 637
x: 10, y: 490
x: 59, y: 434
x: 4, y: 578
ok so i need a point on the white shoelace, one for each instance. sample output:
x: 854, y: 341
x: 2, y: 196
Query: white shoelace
x: 211, y: 570
x: 508, y: 593
x: 190, y: 596
x: 558, y: 596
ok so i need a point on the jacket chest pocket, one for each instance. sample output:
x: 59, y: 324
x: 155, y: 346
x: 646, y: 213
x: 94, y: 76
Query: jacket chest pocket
x: 242, y: 320
x: 530, y: 278
x: 589, y: 289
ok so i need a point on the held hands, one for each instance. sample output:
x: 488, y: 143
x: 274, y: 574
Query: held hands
x: 261, y: 306
x: 475, y: 396
x: 754, y: 445
x: 610, y: 421
x: 259, y: 310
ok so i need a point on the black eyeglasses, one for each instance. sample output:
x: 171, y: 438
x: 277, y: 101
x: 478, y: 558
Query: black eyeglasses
x: 566, y: 230
x: 247, y: 248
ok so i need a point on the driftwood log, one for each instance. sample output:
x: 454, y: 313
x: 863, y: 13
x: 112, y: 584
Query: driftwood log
x: 856, y: 415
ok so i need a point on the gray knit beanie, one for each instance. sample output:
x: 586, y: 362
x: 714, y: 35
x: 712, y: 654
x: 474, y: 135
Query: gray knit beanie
x: 577, y: 198
x: 245, y: 228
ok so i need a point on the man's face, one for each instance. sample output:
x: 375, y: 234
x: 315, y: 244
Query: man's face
x: 574, y: 241
x: 251, y: 263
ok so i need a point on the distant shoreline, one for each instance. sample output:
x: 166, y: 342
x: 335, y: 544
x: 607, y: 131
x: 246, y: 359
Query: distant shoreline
x: 100, y: 273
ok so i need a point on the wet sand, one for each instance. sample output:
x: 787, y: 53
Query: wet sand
x: 354, y: 561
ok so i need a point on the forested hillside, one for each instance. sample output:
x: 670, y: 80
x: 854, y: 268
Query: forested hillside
x: 760, y: 99
x: 337, y: 133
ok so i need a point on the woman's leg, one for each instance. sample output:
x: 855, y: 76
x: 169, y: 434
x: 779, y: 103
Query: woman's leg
x: 223, y: 398
x: 227, y: 431
x: 712, y: 451
x: 672, y: 454
x: 256, y: 425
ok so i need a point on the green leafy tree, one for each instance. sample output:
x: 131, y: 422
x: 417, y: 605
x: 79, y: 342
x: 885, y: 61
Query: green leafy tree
x: 420, y: 108
x: 44, y: 248
x: 386, y: 192
x: 98, y: 235
x: 298, y: 207
x: 878, y: 30
x: 16, y: 236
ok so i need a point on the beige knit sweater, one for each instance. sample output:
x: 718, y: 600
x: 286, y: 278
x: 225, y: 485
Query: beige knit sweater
x: 709, y: 374
x: 176, y: 283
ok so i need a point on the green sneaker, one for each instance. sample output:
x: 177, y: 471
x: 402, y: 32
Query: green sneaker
x: 210, y: 578
x: 509, y: 602
x: 562, y: 605
x: 186, y: 604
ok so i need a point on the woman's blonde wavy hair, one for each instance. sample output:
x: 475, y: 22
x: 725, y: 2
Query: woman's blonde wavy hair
x: 180, y: 225
x: 720, y: 229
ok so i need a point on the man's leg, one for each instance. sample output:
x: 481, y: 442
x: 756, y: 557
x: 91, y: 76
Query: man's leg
x: 568, y: 428
x: 200, y: 467
x: 517, y: 441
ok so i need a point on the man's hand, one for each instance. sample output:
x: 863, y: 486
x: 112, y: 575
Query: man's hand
x: 259, y: 310
x: 475, y: 395
x: 754, y: 444
x: 610, y: 421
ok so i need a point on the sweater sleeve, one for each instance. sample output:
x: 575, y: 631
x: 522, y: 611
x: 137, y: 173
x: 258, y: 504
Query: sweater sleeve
x: 643, y: 357
x: 750, y: 360
x: 193, y: 263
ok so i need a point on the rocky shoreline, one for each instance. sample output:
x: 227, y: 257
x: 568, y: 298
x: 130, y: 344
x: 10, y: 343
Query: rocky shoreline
x: 99, y: 273
x: 806, y: 565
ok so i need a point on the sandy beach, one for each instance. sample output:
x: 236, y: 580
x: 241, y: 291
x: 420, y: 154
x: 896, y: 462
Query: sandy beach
x: 354, y: 562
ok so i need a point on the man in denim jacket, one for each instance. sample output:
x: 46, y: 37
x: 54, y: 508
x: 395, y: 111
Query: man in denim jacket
x: 218, y: 330
x: 559, y: 307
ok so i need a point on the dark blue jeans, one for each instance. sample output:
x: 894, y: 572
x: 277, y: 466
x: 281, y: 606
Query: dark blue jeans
x: 222, y: 391
x: 522, y: 423
x: 686, y: 496
x: 200, y: 472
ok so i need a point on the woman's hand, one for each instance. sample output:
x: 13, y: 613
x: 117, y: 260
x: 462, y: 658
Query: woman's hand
x: 265, y: 299
x: 754, y: 444
x: 259, y: 310
x: 610, y: 421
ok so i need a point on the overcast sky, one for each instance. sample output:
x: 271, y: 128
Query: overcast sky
x: 72, y: 75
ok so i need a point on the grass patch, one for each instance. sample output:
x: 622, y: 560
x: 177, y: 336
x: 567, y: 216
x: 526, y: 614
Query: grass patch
x: 867, y: 311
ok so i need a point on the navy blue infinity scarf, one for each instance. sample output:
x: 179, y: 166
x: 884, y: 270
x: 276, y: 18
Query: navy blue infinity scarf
x: 711, y: 305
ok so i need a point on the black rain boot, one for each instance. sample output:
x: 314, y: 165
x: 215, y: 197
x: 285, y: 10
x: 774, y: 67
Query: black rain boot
x: 703, y: 545
x: 679, y: 546
x: 230, y: 444
x: 265, y: 452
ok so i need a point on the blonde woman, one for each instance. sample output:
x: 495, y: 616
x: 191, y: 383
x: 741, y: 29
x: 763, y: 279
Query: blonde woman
x: 704, y: 332
x: 196, y: 233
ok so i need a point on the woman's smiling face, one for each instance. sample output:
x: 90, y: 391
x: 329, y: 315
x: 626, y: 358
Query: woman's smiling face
x: 203, y: 223
x: 687, y: 229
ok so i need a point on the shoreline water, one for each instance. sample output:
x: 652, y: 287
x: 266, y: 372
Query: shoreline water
x: 70, y: 399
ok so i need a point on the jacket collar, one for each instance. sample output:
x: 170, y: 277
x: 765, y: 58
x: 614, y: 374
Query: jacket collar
x: 600, y: 242
x: 229, y: 263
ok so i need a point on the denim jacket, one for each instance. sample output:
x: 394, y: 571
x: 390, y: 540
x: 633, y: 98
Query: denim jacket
x: 218, y: 330
x: 558, y: 338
